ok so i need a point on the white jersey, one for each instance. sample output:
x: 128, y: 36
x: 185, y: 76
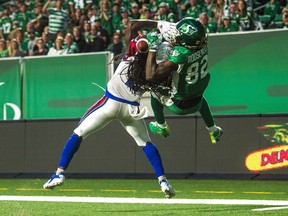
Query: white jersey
x: 118, y: 85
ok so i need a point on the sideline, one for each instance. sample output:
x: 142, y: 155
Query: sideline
x: 146, y: 200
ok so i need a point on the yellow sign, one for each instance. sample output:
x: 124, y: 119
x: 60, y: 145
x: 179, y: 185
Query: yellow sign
x: 266, y: 159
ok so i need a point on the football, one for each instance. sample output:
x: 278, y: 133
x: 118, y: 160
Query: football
x: 142, y: 45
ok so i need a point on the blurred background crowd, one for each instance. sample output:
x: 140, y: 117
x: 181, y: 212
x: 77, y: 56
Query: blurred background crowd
x: 59, y: 27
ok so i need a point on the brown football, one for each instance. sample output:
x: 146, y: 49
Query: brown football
x: 142, y: 45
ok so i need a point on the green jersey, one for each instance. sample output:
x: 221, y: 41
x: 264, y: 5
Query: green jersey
x: 193, y: 11
x: 23, y: 18
x: 58, y: 20
x: 6, y: 25
x: 192, y: 77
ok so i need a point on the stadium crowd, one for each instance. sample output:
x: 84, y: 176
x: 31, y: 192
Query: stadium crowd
x: 46, y: 27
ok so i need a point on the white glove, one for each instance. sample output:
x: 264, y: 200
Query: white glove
x: 163, y: 50
x: 168, y: 31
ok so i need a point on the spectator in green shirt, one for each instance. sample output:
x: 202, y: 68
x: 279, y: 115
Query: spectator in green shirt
x: 135, y: 11
x: 209, y: 27
x: 6, y: 22
x: 116, y: 16
x: 164, y: 13
x: 192, y: 9
x: 272, y: 8
x: 227, y: 26
x: 70, y: 46
x: 3, y: 49
x: 23, y: 16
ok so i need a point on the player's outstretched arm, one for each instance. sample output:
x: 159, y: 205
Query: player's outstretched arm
x: 136, y: 25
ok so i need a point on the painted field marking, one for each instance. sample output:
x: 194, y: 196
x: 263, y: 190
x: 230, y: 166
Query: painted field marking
x: 279, y: 203
x: 75, y: 190
x: 270, y: 209
x: 124, y: 191
x: 214, y: 192
x: 264, y: 193
x: 30, y: 189
x: 150, y: 191
x: 155, y: 191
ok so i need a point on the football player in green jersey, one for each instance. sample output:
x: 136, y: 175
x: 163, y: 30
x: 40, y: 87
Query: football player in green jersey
x: 187, y: 63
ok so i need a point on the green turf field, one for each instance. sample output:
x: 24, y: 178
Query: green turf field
x: 143, y: 197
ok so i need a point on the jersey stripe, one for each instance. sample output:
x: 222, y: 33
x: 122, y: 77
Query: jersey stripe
x: 94, y: 107
x: 58, y: 20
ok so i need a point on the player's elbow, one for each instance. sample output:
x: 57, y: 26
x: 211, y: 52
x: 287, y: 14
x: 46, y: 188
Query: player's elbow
x: 151, y: 73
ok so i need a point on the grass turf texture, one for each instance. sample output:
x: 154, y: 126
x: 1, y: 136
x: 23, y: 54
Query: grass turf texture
x: 139, y: 188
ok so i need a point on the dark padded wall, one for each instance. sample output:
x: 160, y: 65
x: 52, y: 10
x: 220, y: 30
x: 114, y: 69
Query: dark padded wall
x: 35, y: 147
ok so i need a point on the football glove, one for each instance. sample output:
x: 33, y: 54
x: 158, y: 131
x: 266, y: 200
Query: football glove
x: 168, y: 31
x: 154, y: 39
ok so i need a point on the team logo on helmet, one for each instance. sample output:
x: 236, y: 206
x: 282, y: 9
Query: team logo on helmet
x: 188, y: 29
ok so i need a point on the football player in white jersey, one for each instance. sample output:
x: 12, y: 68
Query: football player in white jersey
x: 120, y: 102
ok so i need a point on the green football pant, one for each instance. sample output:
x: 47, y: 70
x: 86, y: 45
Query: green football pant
x: 202, y: 107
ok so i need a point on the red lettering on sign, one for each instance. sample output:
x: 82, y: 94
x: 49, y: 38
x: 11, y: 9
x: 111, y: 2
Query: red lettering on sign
x: 275, y: 157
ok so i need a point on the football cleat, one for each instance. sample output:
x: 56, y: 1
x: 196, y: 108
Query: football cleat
x: 159, y: 129
x: 55, y: 180
x: 215, y: 135
x: 167, y: 189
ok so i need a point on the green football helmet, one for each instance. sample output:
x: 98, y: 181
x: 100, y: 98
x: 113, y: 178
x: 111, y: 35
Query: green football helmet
x: 191, y: 33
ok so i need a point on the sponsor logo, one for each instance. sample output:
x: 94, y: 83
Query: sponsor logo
x: 15, y: 108
x: 267, y: 159
x: 274, y: 157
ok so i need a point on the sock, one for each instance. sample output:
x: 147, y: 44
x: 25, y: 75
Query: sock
x: 154, y: 158
x: 162, y: 178
x: 206, y: 113
x: 163, y: 125
x: 212, y: 129
x: 59, y: 171
x: 158, y: 110
x: 69, y: 150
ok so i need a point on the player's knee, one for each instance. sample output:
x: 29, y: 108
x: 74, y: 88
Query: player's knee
x: 79, y: 133
x: 141, y: 142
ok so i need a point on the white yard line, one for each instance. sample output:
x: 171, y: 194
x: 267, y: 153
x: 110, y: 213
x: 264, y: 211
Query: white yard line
x: 145, y: 200
x: 271, y: 208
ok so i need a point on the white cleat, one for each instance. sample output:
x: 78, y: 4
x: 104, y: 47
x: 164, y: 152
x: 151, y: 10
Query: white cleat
x: 167, y: 189
x: 55, y: 180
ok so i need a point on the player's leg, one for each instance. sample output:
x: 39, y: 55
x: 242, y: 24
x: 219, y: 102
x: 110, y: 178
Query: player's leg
x: 138, y: 130
x: 70, y: 148
x: 94, y: 119
x: 159, y: 126
x: 214, y: 131
x: 198, y: 104
x: 154, y: 158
